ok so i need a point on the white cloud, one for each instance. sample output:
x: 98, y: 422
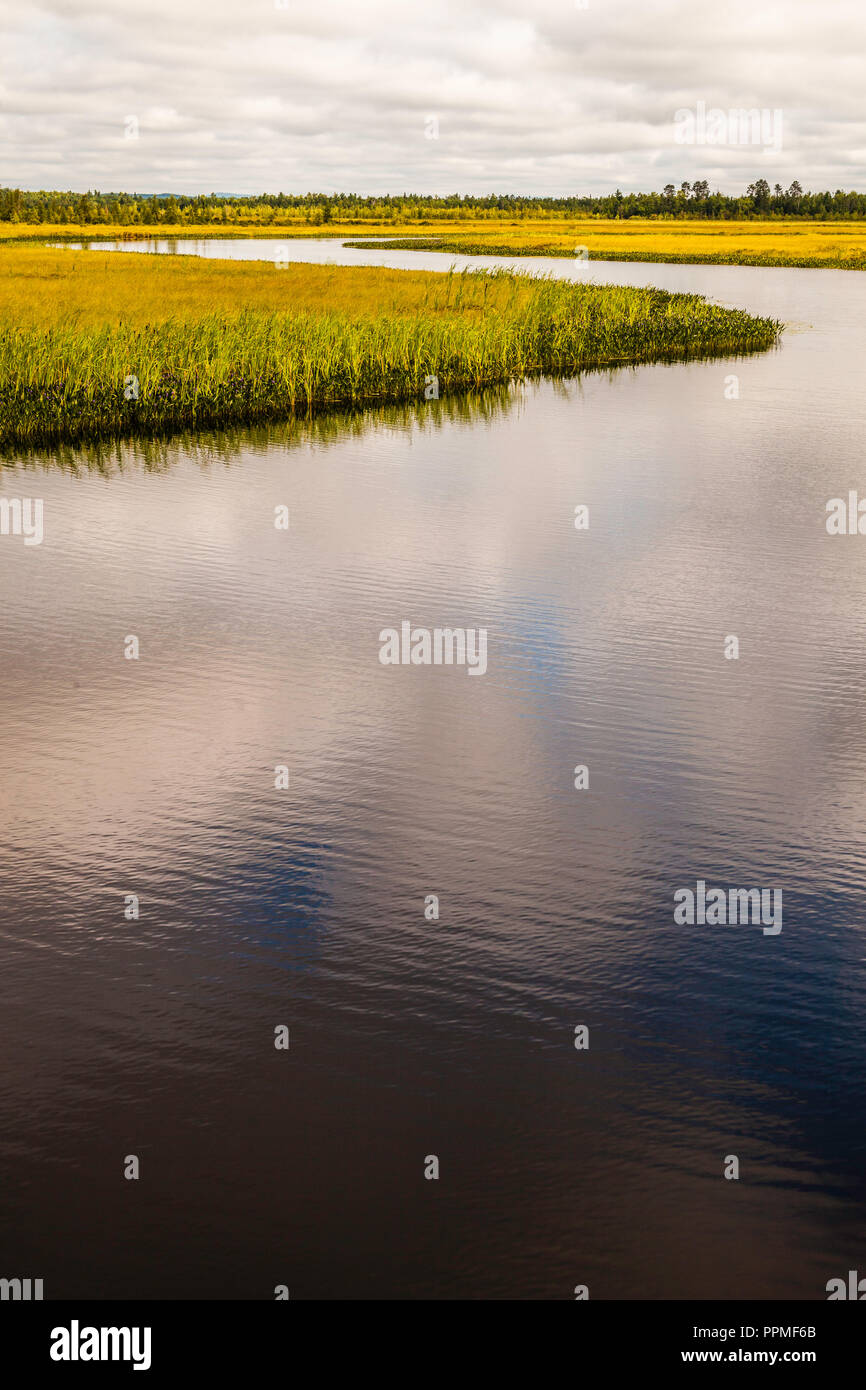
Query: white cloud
x: 334, y: 95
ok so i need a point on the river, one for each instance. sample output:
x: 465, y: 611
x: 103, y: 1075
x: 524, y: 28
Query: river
x: 304, y: 907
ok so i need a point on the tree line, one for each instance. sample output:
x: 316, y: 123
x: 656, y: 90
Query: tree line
x: 690, y: 200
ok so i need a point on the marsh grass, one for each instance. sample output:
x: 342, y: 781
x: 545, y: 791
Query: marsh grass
x: 851, y: 258
x: 350, y: 338
x: 839, y: 243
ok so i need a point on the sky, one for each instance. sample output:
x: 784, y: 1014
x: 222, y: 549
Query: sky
x: 387, y: 96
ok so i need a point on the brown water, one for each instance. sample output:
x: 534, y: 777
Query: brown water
x: 305, y: 906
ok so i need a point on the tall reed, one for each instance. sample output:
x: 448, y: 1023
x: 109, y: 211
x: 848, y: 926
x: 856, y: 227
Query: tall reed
x: 70, y: 382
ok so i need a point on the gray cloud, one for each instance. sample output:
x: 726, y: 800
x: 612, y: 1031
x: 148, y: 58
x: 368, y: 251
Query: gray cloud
x: 330, y: 96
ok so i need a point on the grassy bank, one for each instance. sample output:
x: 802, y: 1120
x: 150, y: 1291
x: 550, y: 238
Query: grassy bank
x: 100, y: 345
x: 496, y: 246
x: 828, y: 245
x: 840, y: 244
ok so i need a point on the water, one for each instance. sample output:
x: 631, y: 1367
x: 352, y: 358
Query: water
x: 305, y: 907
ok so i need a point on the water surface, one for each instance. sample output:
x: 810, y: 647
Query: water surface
x: 305, y: 907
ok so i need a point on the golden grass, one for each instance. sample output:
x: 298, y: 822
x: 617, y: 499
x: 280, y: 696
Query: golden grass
x: 837, y: 245
x: 42, y: 288
x: 761, y: 242
x: 107, y: 345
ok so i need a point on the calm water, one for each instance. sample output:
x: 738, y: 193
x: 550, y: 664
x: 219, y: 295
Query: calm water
x: 305, y: 907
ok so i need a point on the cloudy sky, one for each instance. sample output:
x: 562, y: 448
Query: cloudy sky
x: 552, y: 96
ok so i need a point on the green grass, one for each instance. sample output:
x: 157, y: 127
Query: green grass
x: 66, y: 382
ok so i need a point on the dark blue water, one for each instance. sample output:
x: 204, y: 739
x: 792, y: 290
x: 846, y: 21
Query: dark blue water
x: 304, y: 907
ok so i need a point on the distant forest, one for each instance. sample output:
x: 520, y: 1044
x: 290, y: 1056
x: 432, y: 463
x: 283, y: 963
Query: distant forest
x: 688, y: 201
